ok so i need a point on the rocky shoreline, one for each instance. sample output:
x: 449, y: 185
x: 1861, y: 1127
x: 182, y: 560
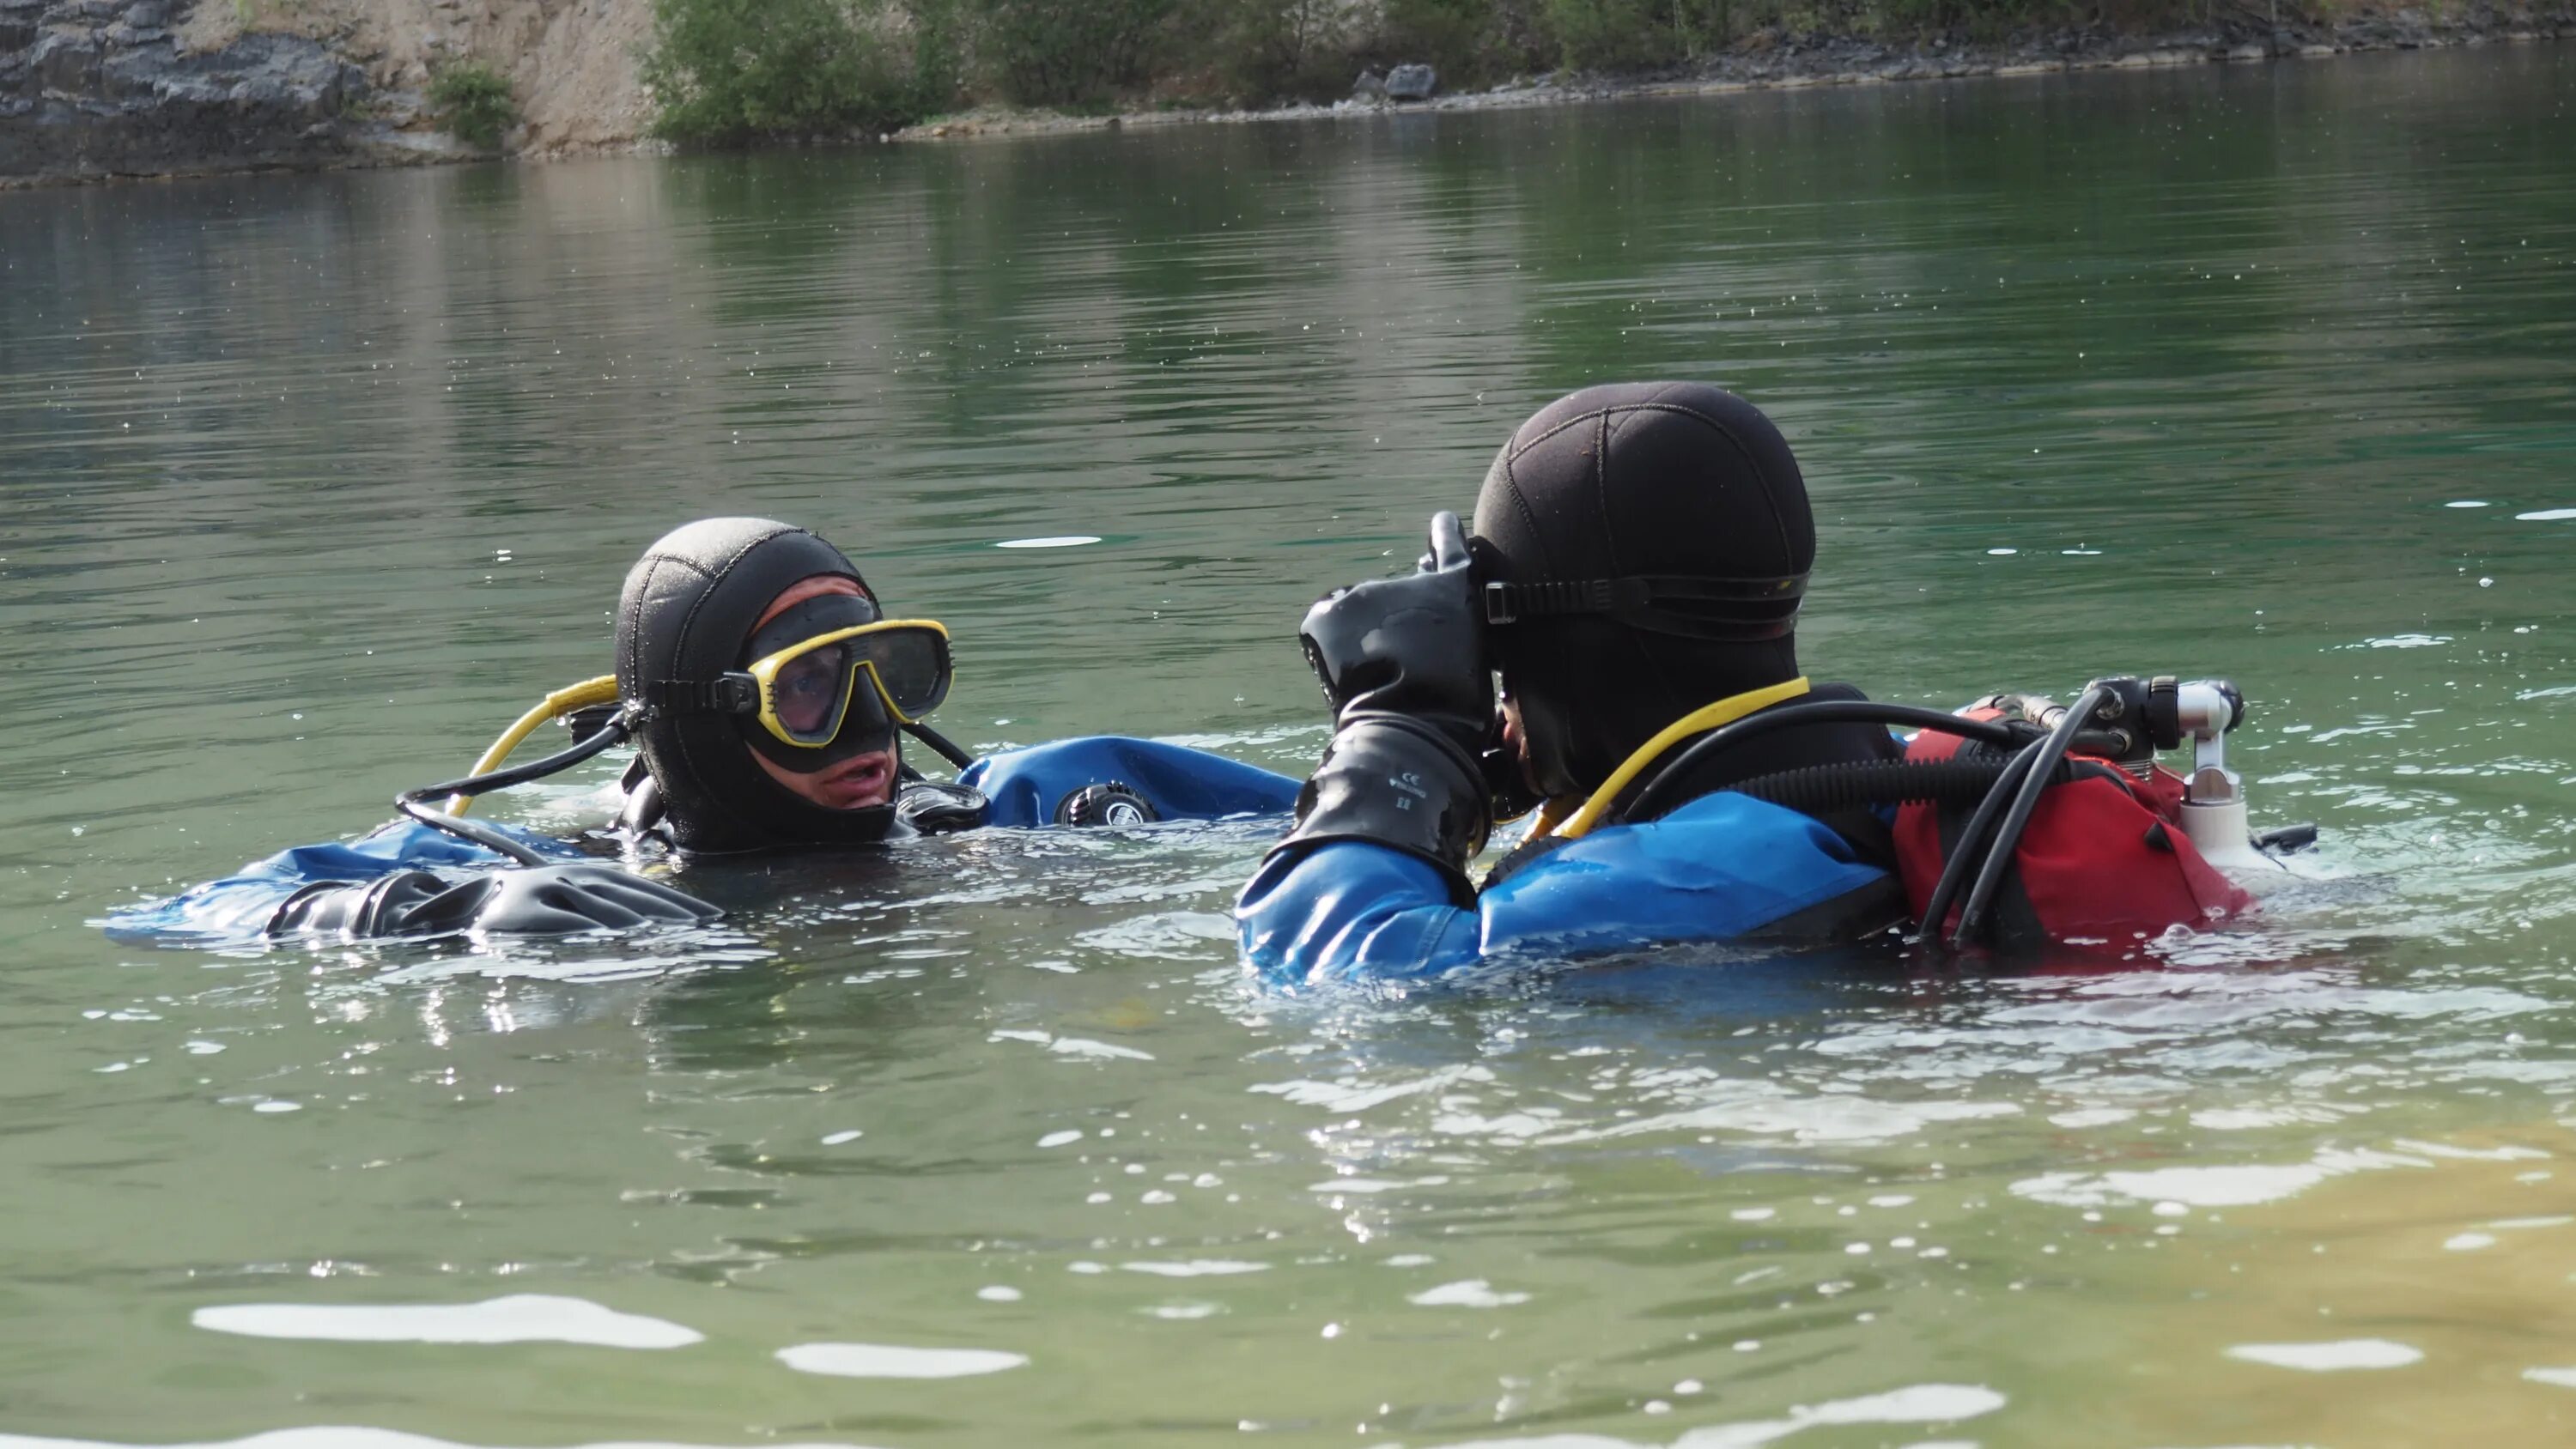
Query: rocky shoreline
x: 96, y: 90
x: 1776, y: 60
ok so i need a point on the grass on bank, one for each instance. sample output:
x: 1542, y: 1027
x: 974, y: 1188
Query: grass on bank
x: 740, y: 70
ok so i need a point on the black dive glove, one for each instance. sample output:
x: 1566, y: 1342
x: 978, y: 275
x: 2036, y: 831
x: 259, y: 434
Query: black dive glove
x: 1402, y: 661
x: 526, y: 900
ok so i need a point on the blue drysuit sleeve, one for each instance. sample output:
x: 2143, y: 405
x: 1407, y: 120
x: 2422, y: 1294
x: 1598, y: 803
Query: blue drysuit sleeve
x: 1722, y: 866
x: 236, y: 909
x: 1025, y: 786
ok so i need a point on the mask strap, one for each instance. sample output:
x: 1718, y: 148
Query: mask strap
x: 1717, y: 608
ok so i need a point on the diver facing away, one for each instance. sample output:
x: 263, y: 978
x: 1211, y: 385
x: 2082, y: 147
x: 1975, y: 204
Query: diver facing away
x: 768, y: 696
x: 1639, y: 557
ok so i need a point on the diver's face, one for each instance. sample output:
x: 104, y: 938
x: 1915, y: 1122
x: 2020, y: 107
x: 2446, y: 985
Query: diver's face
x: 851, y: 784
x: 1516, y: 740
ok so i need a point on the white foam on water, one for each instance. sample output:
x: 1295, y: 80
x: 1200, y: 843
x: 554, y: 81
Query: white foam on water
x: 2333, y: 1357
x: 1765, y: 1110
x: 2564, y: 1378
x: 1918, y: 1404
x: 2248, y: 1119
x: 1411, y: 1260
x: 2511, y: 1225
x: 342, y: 1436
x: 2240, y: 1186
x: 837, y: 1138
x: 1196, y: 1268
x: 1349, y: 1095
x: 2468, y: 503
x: 1468, y: 1293
x: 2468, y: 1242
x: 886, y: 1361
x: 2001, y: 552
x: 2407, y: 641
x: 998, y: 1294
x: 1753, y: 1215
x: 1060, y: 1139
x: 1072, y: 1046
x: 2195, y: 1186
x: 1075, y: 1046
x: 2084, y: 1117
x: 1064, y: 540
x: 2546, y: 515
x: 519, y: 1318
x: 1184, y: 1312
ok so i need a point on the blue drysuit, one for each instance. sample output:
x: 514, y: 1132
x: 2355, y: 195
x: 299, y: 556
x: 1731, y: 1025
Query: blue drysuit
x: 1722, y: 866
x: 1025, y: 787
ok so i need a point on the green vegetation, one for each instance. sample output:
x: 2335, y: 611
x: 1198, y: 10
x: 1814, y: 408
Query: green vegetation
x: 731, y: 70
x: 473, y: 103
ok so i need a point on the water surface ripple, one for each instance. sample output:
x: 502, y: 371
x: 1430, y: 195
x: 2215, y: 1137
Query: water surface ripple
x: 312, y: 482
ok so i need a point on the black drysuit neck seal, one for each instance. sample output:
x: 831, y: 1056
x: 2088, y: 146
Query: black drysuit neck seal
x: 1643, y: 548
x: 685, y: 619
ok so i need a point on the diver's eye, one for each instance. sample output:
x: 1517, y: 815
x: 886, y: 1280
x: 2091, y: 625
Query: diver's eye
x: 804, y: 692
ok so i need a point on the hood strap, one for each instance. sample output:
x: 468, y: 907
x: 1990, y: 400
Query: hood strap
x: 1710, y: 606
x: 732, y: 693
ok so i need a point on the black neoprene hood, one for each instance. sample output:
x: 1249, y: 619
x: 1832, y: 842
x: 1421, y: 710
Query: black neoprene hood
x: 1672, y: 479
x: 688, y: 609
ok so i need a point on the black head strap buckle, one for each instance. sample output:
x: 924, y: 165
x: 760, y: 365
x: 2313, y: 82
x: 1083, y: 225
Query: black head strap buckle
x: 730, y: 693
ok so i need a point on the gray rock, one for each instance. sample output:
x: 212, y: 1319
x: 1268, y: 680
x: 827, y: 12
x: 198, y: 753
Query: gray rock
x: 65, y: 60
x: 1412, y: 83
x: 99, y: 88
x: 1369, y: 87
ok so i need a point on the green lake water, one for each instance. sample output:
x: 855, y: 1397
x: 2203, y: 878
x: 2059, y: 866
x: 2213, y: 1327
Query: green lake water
x: 308, y: 484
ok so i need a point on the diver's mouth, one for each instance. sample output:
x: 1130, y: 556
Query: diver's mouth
x: 858, y: 781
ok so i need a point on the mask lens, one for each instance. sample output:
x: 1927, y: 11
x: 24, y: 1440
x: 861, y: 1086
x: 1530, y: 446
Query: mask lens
x: 912, y: 664
x: 810, y: 692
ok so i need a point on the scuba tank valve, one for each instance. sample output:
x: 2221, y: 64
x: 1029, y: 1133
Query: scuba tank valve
x: 2213, y: 807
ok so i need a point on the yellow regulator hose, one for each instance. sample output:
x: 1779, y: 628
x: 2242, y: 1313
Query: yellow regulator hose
x: 564, y: 701
x: 1725, y: 712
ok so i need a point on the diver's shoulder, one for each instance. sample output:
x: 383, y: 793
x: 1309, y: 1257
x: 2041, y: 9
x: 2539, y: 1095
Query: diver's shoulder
x: 1046, y: 784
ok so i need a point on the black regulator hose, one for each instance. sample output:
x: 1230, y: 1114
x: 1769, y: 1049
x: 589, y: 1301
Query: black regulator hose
x: 2050, y: 752
x: 1817, y: 789
x: 1668, y: 790
x: 414, y: 803
x: 947, y: 748
x: 1964, y: 852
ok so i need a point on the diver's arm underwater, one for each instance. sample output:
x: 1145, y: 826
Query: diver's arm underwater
x: 767, y: 697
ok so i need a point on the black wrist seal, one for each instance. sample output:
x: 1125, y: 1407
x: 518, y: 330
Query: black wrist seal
x: 1397, y: 782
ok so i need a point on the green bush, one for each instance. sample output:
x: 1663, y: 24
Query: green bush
x: 1470, y: 42
x: 733, y: 70
x: 473, y: 103
x: 1273, y: 48
x: 1057, y: 52
x: 1631, y: 34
